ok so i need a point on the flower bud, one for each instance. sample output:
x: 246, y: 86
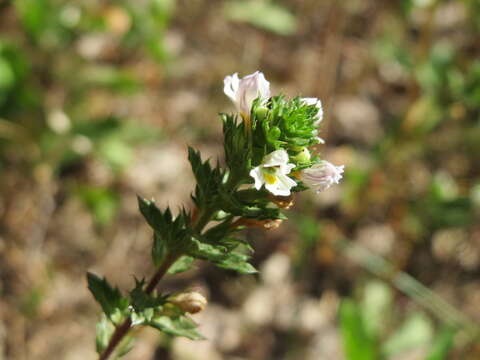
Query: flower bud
x: 261, y: 112
x: 322, y: 175
x: 191, y: 302
x: 272, y: 224
x: 253, y: 223
x: 283, y: 202
x: 303, y: 156
x: 274, y: 132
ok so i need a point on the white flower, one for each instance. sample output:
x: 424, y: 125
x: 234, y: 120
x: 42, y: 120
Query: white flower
x: 322, y: 175
x: 273, y: 173
x: 318, y: 104
x: 244, y: 91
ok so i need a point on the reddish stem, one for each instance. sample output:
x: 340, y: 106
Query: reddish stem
x: 122, y: 330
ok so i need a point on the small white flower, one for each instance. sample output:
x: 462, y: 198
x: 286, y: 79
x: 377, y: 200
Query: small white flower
x: 322, y: 175
x: 244, y: 91
x: 273, y: 173
x: 318, y: 104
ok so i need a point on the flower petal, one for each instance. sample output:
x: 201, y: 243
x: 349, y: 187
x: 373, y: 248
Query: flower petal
x: 230, y: 86
x: 282, y: 186
x: 257, y: 175
x: 244, y: 91
x: 276, y: 158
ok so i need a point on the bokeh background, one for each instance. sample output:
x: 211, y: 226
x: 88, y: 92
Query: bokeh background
x: 98, y: 100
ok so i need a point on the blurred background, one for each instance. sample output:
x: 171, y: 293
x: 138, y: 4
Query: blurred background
x: 98, y: 100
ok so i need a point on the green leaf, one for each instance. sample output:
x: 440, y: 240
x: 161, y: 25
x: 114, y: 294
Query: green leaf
x: 209, y: 180
x: 159, y: 249
x: 171, y: 234
x: 241, y: 204
x: 416, y: 331
x: 442, y: 345
x: 356, y: 342
x: 141, y: 301
x: 177, y: 326
x: 238, y: 152
x: 34, y: 14
x: 104, y: 332
x: 125, y: 346
x: 221, y: 256
x: 263, y: 14
x: 183, y: 264
x: 206, y: 251
x: 116, y: 152
x: 109, y: 298
x: 7, y: 75
x: 102, y: 203
x: 376, y: 307
x: 237, y: 262
x: 153, y: 215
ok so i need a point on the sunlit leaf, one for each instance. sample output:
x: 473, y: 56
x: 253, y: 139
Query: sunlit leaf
x: 264, y: 14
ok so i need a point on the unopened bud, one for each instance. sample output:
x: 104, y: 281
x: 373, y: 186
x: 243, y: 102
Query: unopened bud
x: 303, y: 156
x: 272, y: 224
x: 191, y: 302
x: 261, y: 112
x: 283, y: 202
x: 253, y: 223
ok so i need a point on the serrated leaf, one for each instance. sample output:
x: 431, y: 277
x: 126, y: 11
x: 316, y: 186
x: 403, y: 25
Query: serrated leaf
x: 209, y: 179
x: 171, y: 234
x: 237, y: 147
x: 142, y: 301
x: 357, y: 344
x: 109, y: 298
x: 151, y: 213
x: 183, y: 264
x: 178, y: 326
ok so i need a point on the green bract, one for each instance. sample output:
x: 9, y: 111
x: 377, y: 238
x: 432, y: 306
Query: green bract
x: 284, y: 124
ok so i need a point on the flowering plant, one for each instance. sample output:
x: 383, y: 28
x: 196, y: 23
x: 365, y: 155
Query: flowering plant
x: 268, y: 156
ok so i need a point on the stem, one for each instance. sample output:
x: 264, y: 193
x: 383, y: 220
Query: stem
x: 117, y: 336
x: 162, y: 270
x: 122, y: 330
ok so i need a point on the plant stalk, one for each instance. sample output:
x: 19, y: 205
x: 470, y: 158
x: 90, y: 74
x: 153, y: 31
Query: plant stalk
x: 122, y: 330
